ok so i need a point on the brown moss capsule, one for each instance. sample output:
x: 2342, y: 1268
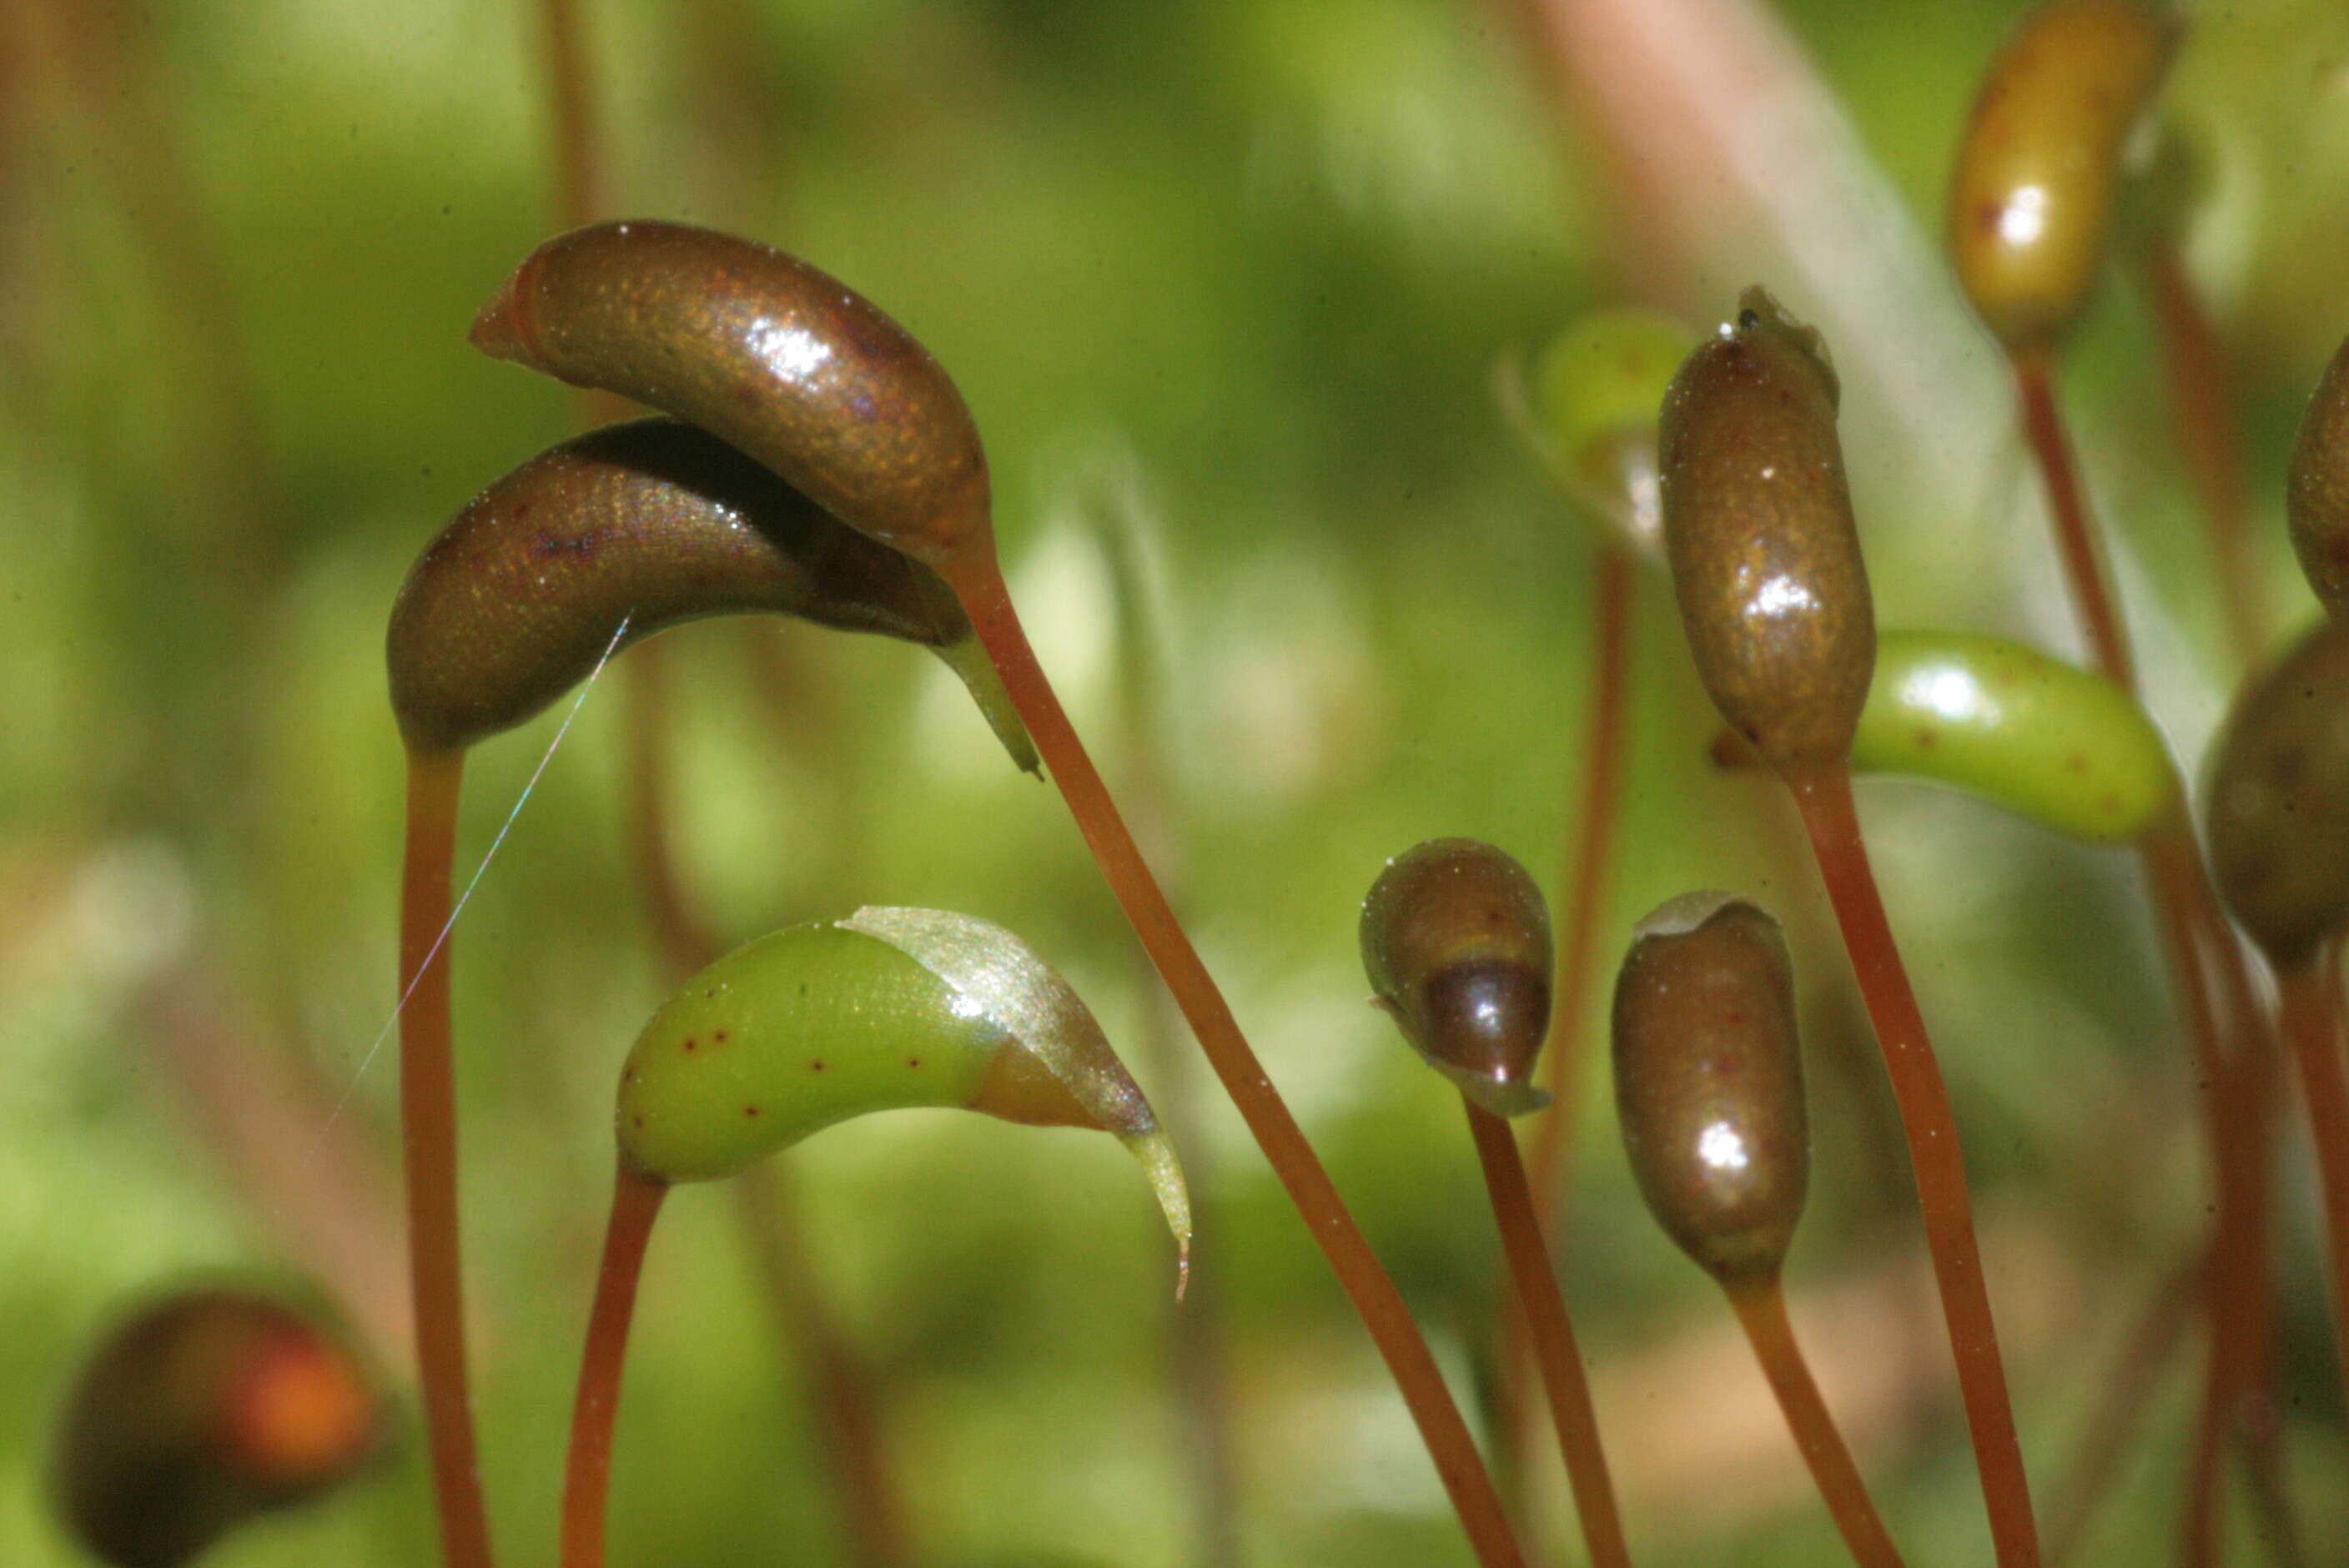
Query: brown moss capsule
x: 2278, y: 806
x: 1455, y: 940
x: 660, y: 523
x: 1757, y: 522
x: 2031, y: 209
x: 2316, y: 494
x: 767, y: 353
x: 196, y: 1415
x: 1709, y: 1083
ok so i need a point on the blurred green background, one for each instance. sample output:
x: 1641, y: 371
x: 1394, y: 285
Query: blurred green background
x: 1224, y: 283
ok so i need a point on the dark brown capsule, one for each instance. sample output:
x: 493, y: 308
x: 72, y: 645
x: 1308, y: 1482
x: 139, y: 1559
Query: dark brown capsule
x: 2031, y: 204
x: 1757, y: 522
x: 2316, y: 494
x: 658, y: 523
x: 2278, y: 805
x: 1709, y: 1083
x: 765, y: 352
x: 1455, y: 940
x: 199, y: 1413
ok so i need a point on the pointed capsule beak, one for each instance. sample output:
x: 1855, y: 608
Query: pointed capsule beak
x: 494, y: 332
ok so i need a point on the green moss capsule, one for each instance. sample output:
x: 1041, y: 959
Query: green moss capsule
x: 199, y: 1413
x: 2278, y: 805
x: 1709, y: 1083
x: 656, y: 523
x: 1455, y: 940
x: 2316, y: 494
x: 1757, y: 522
x: 765, y: 352
x: 2032, y: 205
x: 886, y: 1009
x: 1593, y: 405
x: 2061, y: 746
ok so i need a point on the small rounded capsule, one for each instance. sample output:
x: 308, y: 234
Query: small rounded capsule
x: 767, y: 353
x: 1709, y: 1083
x: 1455, y: 942
x: 1765, y: 555
x: 199, y: 1413
x: 2278, y: 806
x: 2316, y: 492
x: 2032, y: 205
x: 1596, y: 394
x: 655, y: 523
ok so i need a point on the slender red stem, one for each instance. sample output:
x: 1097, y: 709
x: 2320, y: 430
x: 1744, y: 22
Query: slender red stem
x: 1823, y: 795
x: 427, y: 1122
x: 2201, y: 398
x: 977, y: 580
x: 1762, y: 1310
x: 587, y: 1474
x: 2075, y: 537
x: 2313, y: 1024
x: 2124, y: 1392
x: 1552, y: 1335
x: 577, y: 146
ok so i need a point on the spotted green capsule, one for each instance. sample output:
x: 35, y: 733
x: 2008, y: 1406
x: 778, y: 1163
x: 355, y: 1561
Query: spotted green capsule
x: 2316, y: 491
x: 1764, y: 553
x: 2046, y: 740
x: 2277, y: 811
x: 770, y: 355
x: 2031, y: 204
x: 888, y: 1008
x: 644, y: 525
x: 1455, y: 942
x: 1709, y: 1083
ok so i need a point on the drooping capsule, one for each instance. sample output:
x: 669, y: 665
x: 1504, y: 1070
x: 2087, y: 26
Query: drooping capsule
x: 2062, y: 746
x: 769, y: 353
x: 1709, y: 1083
x: 2278, y: 807
x: 2316, y: 489
x: 1455, y: 942
x: 1764, y: 554
x: 201, y: 1412
x: 1591, y: 411
x: 653, y: 523
x: 2032, y: 205
x: 888, y: 1008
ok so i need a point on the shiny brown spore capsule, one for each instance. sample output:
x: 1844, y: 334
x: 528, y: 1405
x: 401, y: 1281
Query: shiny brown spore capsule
x: 1455, y: 940
x: 2278, y: 805
x: 2031, y: 204
x: 1709, y: 1083
x: 659, y: 523
x: 2316, y: 493
x: 766, y: 352
x: 1757, y: 522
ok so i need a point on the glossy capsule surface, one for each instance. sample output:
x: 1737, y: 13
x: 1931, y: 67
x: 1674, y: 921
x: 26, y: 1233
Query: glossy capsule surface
x: 888, y: 1009
x: 656, y: 523
x: 1758, y: 526
x: 770, y: 355
x: 1598, y: 391
x: 2061, y: 746
x: 1455, y: 942
x: 1709, y: 1083
x: 2032, y: 205
x: 203, y: 1410
x: 2316, y: 492
x: 2277, y: 811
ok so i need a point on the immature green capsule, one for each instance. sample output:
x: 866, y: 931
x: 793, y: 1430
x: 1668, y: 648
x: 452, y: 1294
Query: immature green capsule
x: 1709, y: 1083
x: 2031, y: 209
x: 2316, y: 492
x: 1595, y: 392
x: 656, y: 523
x: 765, y: 352
x: 1757, y: 522
x: 204, y: 1411
x: 1455, y: 940
x: 2278, y: 805
x: 888, y: 1008
x: 2046, y: 740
